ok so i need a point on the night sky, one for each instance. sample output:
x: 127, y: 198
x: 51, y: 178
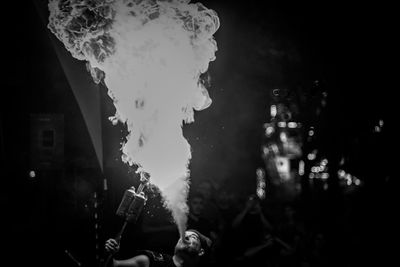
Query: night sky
x: 261, y: 47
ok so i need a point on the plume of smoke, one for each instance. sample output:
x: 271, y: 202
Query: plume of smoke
x: 150, y: 54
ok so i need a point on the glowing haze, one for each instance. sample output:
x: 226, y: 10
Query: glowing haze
x: 151, y: 55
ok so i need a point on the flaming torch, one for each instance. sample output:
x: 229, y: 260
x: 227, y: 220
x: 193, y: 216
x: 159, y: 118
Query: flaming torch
x: 150, y: 54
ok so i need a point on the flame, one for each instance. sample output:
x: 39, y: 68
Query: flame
x: 150, y: 55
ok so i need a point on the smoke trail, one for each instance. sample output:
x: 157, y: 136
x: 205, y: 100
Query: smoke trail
x: 150, y: 54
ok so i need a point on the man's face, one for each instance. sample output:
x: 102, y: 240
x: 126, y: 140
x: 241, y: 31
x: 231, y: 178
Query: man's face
x: 196, y: 206
x: 191, y: 246
x: 205, y: 188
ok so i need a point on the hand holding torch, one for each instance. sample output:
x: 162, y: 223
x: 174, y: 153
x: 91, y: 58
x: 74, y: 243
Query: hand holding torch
x: 131, y: 206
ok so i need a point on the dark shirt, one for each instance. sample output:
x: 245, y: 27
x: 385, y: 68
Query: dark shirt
x: 158, y: 259
x: 251, y: 230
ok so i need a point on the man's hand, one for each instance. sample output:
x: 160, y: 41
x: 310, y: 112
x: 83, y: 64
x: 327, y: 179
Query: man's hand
x: 112, y: 246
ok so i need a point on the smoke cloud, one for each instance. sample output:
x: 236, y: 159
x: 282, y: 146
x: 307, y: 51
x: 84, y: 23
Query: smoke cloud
x: 150, y: 55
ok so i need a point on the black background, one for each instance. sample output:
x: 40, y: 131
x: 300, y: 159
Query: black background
x: 262, y: 45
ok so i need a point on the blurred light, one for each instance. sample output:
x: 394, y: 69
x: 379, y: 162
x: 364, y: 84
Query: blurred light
x: 324, y: 175
x: 105, y: 185
x: 298, y: 187
x: 261, y: 184
x: 265, y: 150
x: 32, y: 174
x: 283, y: 137
x: 282, y: 124
x: 261, y: 193
x: 326, y: 186
x: 341, y: 163
x: 301, y: 168
x: 380, y: 123
x: 292, y: 124
x: 315, y: 169
x: 275, y: 148
x: 349, y: 182
x: 283, y: 167
x: 311, y: 156
x: 357, y: 182
x: 273, y: 111
x: 260, y: 173
x: 269, y: 130
x: 377, y: 129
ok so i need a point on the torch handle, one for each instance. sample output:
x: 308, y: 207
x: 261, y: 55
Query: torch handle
x: 106, y: 261
x: 121, y: 231
x: 140, y: 188
x: 128, y: 217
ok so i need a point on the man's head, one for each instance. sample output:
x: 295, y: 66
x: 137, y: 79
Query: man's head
x: 224, y: 199
x: 206, y: 188
x: 192, y: 247
x: 196, y: 204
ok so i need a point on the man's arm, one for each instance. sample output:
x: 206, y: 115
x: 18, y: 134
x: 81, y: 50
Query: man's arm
x: 239, y: 218
x: 112, y: 246
x: 137, y: 261
x: 265, y: 222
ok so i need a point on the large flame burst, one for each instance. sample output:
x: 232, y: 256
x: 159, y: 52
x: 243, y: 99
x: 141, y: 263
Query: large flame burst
x: 150, y: 54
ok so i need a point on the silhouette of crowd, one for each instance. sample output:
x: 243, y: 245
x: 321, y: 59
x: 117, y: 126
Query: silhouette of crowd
x: 249, y: 231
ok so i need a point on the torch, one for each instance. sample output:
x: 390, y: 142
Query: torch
x: 131, y: 206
